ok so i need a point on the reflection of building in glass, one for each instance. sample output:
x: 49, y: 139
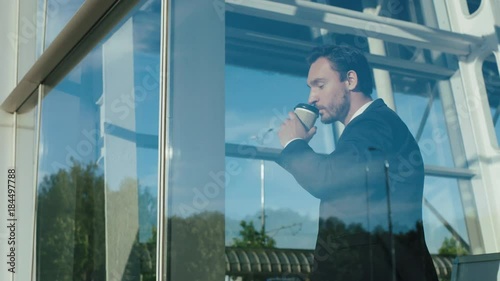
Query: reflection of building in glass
x: 129, y: 125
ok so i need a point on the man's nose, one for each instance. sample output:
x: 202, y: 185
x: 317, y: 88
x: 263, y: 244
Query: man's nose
x: 312, y: 99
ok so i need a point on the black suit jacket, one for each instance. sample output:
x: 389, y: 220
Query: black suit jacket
x: 354, y: 238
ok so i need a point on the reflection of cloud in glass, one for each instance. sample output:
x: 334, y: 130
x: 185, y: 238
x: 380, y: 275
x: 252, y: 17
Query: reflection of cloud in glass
x: 59, y: 13
x: 147, y: 23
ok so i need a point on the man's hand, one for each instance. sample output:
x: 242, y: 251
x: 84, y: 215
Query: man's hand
x: 292, y: 128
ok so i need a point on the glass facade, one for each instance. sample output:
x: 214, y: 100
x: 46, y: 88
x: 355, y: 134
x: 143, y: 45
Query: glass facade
x: 40, y: 22
x: 157, y: 154
x: 196, y: 172
x: 419, y: 104
x: 98, y: 160
x: 473, y: 6
x: 492, y: 83
x: 55, y: 14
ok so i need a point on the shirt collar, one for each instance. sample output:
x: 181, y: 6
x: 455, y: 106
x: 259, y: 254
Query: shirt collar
x: 360, y: 110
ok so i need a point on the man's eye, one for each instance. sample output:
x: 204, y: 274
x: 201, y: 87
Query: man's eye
x: 321, y: 86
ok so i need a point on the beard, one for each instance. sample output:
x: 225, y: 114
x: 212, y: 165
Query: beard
x: 338, y: 111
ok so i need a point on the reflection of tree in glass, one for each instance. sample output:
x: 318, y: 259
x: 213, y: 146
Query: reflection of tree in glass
x: 71, y: 229
x: 143, y: 259
x: 451, y: 247
x: 70, y: 225
x: 196, y: 247
x: 251, y: 238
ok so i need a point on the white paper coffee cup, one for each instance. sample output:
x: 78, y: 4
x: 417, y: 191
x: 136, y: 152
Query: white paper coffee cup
x: 307, y: 114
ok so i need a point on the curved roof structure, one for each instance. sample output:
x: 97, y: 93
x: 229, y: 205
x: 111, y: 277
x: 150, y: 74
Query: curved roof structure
x: 241, y: 262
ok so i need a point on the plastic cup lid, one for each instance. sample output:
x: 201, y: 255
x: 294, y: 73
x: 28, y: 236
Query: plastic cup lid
x: 308, y: 107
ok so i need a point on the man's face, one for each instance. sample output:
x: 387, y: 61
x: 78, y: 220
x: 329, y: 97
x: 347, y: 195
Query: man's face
x: 328, y: 93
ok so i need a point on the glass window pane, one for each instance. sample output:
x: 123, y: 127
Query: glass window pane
x: 418, y: 104
x: 492, y: 81
x: 97, y: 189
x: 195, y: 170
x: 27, y: 41
x: 444, y: 217
x: 473, y: 6
x: 265, y: 68
x: 258, y: 101
x: 291, y: 220
x: 57, y: 14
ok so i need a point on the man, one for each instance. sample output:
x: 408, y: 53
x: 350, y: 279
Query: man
x: 371, y: 186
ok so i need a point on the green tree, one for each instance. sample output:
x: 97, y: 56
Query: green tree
x: 451, y: 247
x: 71, y: 238
x: 70, y: 225
x: 251, y: 238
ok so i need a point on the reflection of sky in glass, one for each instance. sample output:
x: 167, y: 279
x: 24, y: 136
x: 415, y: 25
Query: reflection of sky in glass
x: 257, y: 101
x: 434, y: 143
x: 58, y: 13
x: 70, y: 94
x: 291, y: 212
x: 444, y: 196
x: 496, y: 125
x: 492, y: 81
x: 71, y: 114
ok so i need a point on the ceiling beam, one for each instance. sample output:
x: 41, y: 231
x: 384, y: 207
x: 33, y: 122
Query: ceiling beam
x: 340, y: 20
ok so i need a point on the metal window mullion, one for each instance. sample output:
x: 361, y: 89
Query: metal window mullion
x: 456, y: 140
x: 44, y: 26
x: 16, y: 65
x: 163, y: 147
x: 38, y: 121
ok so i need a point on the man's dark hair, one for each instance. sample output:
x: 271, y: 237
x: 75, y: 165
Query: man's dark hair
x: 344, y: 58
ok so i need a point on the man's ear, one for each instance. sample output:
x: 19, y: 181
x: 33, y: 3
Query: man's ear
x: 352, y: 80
